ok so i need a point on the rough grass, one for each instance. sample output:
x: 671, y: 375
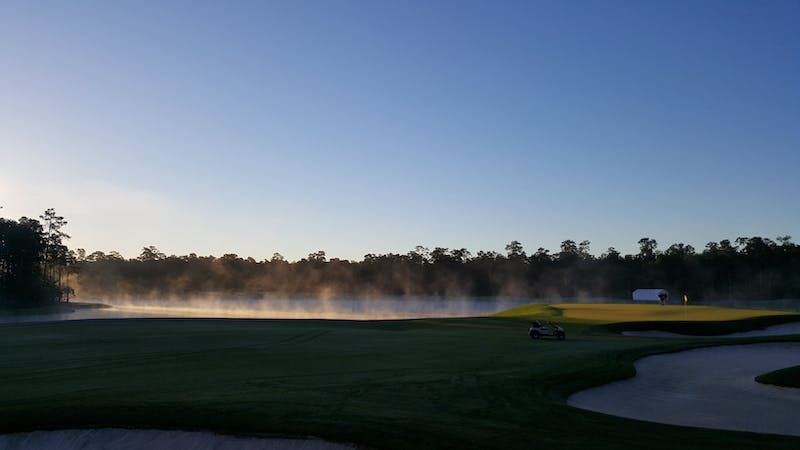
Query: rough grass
x: 475, y: 383
x: 788, y: 377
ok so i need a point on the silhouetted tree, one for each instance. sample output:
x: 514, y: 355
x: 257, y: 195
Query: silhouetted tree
x: 151, y: 253
x: 647, y: 249
x: 318, y: 256
x: 26, y: 254
x: 56, y: 254
x: 515, y: 251
x: 569, y: 252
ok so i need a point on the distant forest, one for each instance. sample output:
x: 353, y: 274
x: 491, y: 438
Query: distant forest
x: 37, y: 268
x: 747, y: 268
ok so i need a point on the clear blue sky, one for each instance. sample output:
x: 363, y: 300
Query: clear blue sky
x: 370, y: 127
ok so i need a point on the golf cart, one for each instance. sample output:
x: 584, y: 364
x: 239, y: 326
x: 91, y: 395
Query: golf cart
x: 539, y: 329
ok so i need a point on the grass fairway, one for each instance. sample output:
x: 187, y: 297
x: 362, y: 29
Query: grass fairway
x: 450, y: 383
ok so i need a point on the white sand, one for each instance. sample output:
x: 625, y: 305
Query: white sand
x: 710, y: 387
x: 775, y: 330
x: 123, y: 439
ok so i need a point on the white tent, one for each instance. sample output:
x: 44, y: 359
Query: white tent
x: 648, y: 295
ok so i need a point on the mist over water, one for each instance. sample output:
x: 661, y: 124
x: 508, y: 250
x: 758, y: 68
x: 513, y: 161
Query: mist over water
x: 319, y: 308
x: 333, y: 308
x: 211, y: 306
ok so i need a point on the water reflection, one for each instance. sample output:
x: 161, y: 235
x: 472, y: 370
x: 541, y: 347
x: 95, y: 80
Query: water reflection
x: 295, y: 308
x: 376, y: 308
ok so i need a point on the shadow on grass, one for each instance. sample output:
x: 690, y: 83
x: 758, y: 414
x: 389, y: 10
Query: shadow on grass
x: 788, y: 377
x: 699, y: 328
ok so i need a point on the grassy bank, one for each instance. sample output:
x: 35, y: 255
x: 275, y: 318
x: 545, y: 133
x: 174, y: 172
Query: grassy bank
x: 452, y: 383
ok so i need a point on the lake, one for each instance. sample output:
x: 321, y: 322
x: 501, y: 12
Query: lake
x: 344, y: 308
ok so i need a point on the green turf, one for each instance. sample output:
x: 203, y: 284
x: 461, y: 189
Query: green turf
x: 609, y: 313
x: 453, y: 383
x: 788, y: 377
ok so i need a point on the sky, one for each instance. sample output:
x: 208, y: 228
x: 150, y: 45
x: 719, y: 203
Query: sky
x: 358, y: 127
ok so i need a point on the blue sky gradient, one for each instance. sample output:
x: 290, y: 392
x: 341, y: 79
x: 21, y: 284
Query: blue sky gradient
x: 370, y: 127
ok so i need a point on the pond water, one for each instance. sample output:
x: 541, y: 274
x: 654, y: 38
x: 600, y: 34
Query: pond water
x: 345, y: 308
x: 390, y: 308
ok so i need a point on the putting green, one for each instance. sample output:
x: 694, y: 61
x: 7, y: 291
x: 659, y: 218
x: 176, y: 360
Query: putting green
x: 476, y: 383
x: 612, y: 313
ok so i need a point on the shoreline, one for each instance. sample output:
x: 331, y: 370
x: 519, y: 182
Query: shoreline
x: 55, y: 308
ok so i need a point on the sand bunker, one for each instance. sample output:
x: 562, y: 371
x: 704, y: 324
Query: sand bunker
x: 118, y: 438
x: 709, y: 387
x: 775, y: 330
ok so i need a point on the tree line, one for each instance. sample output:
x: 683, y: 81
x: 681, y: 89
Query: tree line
x: 37, y: 268
x: 33, y: 261
x: 746, y: 268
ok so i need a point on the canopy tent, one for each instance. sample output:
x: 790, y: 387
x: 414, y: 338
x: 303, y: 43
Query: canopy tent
x: 649, y: 295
